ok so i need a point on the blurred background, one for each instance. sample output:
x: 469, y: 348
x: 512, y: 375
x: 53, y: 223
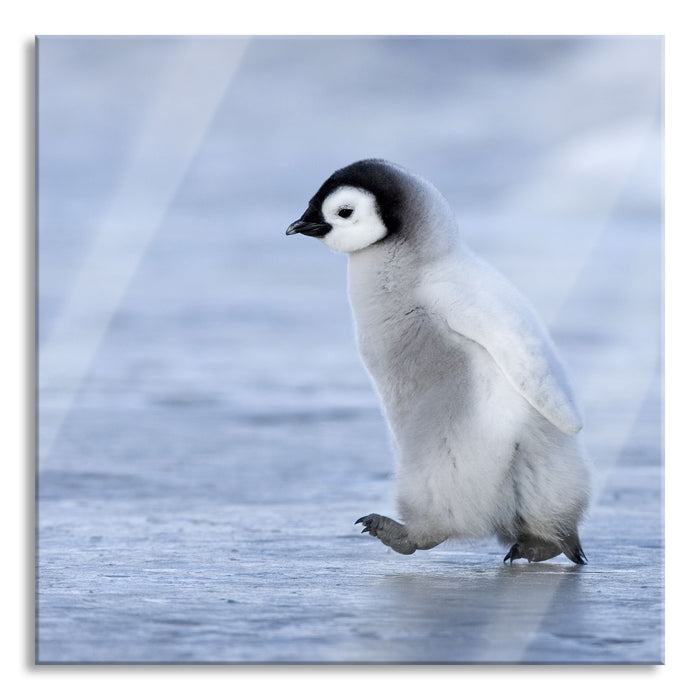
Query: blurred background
x: 193, y: 360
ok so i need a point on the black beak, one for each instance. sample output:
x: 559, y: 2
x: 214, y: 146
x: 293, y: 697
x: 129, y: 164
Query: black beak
x: 309, y: 228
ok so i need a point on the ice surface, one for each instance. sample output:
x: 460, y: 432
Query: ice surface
x: 207, y: 433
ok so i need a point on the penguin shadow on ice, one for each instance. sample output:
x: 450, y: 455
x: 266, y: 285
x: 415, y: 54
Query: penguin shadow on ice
x: 484, y: 424
x: 508, y: 614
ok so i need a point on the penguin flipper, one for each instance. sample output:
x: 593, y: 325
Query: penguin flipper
x: 482, y: 307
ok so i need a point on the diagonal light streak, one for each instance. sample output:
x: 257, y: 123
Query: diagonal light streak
x: 177, y: 122
x: 508, y: 636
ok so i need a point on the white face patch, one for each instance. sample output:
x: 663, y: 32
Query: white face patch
x: 354, y: 216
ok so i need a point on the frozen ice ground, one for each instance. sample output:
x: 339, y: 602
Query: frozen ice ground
x: 207, y: 434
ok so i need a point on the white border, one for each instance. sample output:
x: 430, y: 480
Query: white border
x: 675, y: 20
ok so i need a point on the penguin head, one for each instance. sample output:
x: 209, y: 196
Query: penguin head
x: 355, y: 207
x: 348, y: 220
x: 374, y: 201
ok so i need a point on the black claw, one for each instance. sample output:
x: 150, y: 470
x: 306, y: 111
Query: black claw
x: 573, y: 550
x: 579, y: 557
x: 513, y: 554
x: 369, y: 522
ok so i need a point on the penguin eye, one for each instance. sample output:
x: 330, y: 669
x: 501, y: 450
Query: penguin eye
x: 345, y: 212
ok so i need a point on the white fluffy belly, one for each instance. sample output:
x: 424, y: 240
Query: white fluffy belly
x: 455, y: 448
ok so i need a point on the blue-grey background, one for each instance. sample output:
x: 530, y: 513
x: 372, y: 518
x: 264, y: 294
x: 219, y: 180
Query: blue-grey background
x: 207, y: 434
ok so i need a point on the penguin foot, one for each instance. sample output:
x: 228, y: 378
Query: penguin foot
x: 394, y: 535
x: 534, y: 549
x: 391, y: 533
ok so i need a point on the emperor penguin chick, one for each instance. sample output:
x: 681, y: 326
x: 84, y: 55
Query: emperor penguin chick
x: 484, y: 424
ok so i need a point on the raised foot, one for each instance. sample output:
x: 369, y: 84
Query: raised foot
x: 391, y: 533
x: 394, y: 535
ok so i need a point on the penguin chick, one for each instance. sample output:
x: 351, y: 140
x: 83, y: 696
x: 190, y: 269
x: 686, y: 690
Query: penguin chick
x: 483, y: 421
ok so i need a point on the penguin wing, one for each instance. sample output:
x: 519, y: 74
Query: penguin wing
x: 487, y: 310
